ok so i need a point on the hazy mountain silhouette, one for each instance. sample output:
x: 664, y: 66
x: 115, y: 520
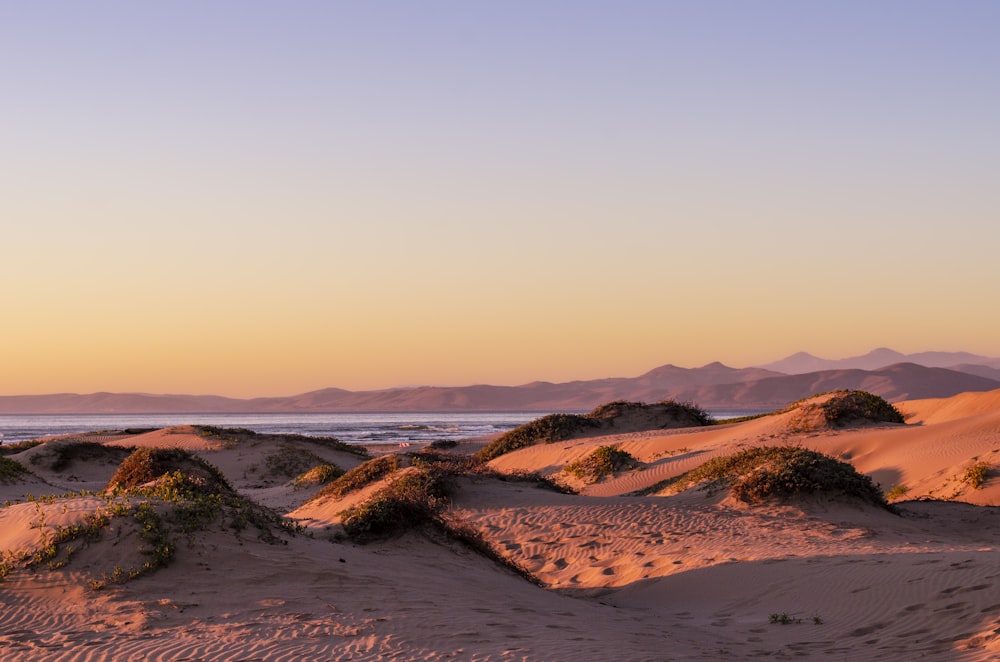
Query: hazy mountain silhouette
x: 713, y: 386
x: 803, y: 362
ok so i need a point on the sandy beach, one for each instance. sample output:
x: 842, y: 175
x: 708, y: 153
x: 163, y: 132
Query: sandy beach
x: 629, y: 567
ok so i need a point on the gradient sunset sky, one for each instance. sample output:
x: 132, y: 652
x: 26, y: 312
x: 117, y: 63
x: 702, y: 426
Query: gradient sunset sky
x: 264, y: 198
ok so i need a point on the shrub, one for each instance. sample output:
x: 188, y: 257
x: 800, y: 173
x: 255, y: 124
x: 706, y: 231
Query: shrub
x: 560, y: 427
x: 361, y: 475
x: 321, y: 474
x: 148, y: 464
x: 544, y: 430
x: 604, y: 461
x: 848, y: 407
x: 898, y: 492
x: 761, y: 473
x: 411, y: 500
x: 683, y: 413
x: 976, y: 474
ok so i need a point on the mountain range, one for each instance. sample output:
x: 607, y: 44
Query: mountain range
x: 884, y: 372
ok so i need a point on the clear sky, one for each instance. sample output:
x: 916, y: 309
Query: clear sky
x: 264, y: 198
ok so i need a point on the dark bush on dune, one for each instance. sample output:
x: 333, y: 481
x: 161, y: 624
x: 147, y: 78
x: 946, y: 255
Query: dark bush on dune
x: 603, y: 461
x: 410, y: 501
x: 851, y: 407
x: 545, y: 430
x: 677, y: 414
x: 617, y: 415
x: 146, y: 465
x: 758, y: 474
x: 361, y: 475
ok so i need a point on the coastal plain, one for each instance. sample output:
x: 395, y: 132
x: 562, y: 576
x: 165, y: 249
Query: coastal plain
x: 622, y: 567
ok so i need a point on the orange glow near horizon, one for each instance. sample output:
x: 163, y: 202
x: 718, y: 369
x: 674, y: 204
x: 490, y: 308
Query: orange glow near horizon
x: 322, y: 206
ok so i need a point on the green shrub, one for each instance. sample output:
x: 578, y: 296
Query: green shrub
x: 411, y: 500
x: 560, y: 427
x: 761, y: 473
x: 544, y: 430
x: 148, y: 464
x: 684, y: 414
x: 898, y: 492
x: 321, y: 474
x: 361, y: 475
x: 848, y: 407
x: 604, y: 461
x: 976, y: 474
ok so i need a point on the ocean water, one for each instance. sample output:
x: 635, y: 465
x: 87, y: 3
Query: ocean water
x: 364, y: 428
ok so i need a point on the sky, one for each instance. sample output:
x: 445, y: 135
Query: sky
x: 254, y: 198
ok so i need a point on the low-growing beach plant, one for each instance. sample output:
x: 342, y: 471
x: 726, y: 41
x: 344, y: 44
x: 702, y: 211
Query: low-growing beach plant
x: 897, y: 492
x: 544, y: 430
x: 321, y: 474
x: 361, y: 475
x: 847, y: 407
x: 408, y: 501
x: 603, y: 461
x: 761, y: 473
x: 148, y: 464
x: 976, y: 474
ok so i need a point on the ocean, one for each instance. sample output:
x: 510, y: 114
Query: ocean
x: 362, y: 428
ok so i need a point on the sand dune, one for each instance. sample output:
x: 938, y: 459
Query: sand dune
x: 670, y: 575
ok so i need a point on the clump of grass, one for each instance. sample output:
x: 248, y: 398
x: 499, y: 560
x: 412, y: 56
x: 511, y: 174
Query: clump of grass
x: 683, y: 414
x: 604, y: 461
x: 321, y: 474
x: 361, y: 475
x: 411, y: 500
x: 11, y: 471
x: 758, y: 474
x: 849, y: 407
x: 976, y: 474
x: 897, y: 492
x: 785, y: 619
